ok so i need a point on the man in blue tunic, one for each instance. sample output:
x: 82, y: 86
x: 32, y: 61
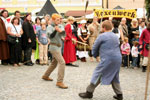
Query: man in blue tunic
x: 107, y: 71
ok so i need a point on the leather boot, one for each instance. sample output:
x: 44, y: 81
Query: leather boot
x: 118, y: 97
x: 61, y: 85
x: 84, y: 59
x: 46, y: 78
x: 143, y: 68
x: 81, y: 59
x: 86, y: 95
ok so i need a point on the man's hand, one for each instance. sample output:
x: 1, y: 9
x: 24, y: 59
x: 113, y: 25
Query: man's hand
x: 74, y: 41
x: 62, y: 38
x: 58, y: 29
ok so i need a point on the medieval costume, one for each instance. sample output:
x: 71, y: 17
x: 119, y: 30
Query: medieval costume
x: 83, y: 34
x: 4, y: 48
x: 107, y: 72
x: 94, y: 32
x: 145, y: 40
x: 69, y: 48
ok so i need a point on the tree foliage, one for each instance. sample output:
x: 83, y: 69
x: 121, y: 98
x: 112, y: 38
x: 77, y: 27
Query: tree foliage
x: 147, y: 5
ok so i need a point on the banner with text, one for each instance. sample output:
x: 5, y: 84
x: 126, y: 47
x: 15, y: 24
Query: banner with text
x: 131, y: 13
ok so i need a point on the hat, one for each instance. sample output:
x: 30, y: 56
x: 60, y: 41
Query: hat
x: 83, y: 22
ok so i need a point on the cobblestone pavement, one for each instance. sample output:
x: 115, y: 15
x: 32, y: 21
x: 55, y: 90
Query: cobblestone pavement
x: 25, y: 83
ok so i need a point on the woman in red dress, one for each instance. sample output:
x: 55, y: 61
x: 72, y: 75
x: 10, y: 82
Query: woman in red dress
x: 69, y: 44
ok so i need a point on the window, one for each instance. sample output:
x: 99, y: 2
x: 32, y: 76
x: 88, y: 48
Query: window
x: 63, y: 1
x: 7, y: 0
x: 92, y: 1
x: 41, y: 0
x: 75, y: 1
x: 22, y: 0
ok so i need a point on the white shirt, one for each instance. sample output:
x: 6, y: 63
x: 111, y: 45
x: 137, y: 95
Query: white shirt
x: 18, y: 28
x: 72, y: 27
x: 134, y: 51
x: 141, y: 29
x: 79, y: 31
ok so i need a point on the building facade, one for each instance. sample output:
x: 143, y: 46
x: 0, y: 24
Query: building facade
x: 127, y: 4
x: 61, y: 5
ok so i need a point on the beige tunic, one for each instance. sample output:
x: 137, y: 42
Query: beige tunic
x: 94, y: 32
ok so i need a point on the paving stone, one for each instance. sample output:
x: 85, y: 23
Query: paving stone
x: 25, y: 83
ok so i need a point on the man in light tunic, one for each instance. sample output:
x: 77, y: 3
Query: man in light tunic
x: 107, y: 72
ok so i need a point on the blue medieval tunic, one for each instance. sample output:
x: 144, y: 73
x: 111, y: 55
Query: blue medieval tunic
x: 107, y: 47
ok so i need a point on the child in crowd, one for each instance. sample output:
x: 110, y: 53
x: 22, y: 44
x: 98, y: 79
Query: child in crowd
x: 43, y: 43
x: 136, y: 38
x: 125, y: 50
x: 135, y: 53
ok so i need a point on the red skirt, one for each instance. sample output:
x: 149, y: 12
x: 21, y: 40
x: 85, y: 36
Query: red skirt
x: 69, y: 52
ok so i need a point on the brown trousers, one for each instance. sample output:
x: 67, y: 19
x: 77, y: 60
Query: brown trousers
x: 116, y: 87
x: 57, y: 59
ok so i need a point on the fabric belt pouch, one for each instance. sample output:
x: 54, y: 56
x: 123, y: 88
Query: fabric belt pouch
x: 147, y: 46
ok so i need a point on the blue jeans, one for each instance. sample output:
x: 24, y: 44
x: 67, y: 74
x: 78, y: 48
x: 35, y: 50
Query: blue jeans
x: 134, y: 61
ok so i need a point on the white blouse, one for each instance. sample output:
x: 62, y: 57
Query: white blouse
x: 79, y: 31
x: 18, y: 28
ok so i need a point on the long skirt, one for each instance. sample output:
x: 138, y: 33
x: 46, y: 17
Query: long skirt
x: 4, y: 50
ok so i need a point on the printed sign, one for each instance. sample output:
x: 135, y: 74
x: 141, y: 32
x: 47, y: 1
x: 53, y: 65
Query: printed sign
x: 131, y: 13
